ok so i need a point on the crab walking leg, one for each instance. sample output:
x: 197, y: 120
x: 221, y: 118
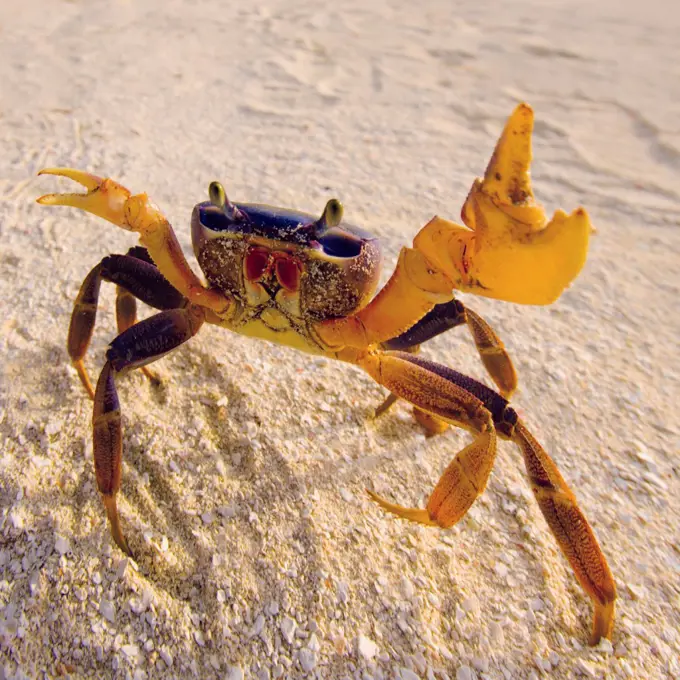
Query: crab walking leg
x: 438, y: 320
x: 466, y: 477
x: 139, y: 345
x: 446, y: 316
x: 113, y: 202
x: 144, y: 287
x: 108, y: 449
x: 493, y: 354
x: 136, y: 276
x: 82, y: 323
x: 571, y: 530
x: 126, y: 317
x: 436, y: 393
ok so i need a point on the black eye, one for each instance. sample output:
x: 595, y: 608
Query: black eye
x: 217, y: 220
x: 339, y: 243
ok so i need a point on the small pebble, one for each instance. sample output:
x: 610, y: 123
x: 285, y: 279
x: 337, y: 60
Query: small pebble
x: 537, y: 604
x: 307, y: 659
x: 166, y: 656
x: 481, y: 663
x: 234, y: 673
x: 470, y: 605
x: 257, y: 627
x: 343, y: 591
x: 61, y: 545
x: 366, y: 648
x: 586, y: 668
x: 52, y: 428
x: 464, y: 673
x: 131, y: 651
x: 496, y: 633
x: 501, y: 570
x: 288, y: 627
x: 121, y: 568
x: 106, y: 609
x: 605, y: 646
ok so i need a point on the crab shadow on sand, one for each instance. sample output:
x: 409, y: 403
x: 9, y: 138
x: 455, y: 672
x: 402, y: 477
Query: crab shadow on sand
x: 256, y: 542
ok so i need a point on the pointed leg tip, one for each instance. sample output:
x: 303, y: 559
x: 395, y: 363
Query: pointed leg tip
x: 603, y: 622
x: 417, y: 515
x: 114, y: 523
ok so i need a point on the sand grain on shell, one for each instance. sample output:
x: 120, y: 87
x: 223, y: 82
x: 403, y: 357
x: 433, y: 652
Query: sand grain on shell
x: 258, y: 553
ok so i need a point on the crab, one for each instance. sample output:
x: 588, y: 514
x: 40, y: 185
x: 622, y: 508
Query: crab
x: 308, y: 282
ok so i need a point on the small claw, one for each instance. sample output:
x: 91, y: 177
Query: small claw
x: 89, y: 181
x: 104, y: 198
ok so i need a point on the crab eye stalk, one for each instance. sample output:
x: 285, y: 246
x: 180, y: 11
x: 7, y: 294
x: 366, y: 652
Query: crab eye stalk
x: 332, y: 214
x: 218, y: 197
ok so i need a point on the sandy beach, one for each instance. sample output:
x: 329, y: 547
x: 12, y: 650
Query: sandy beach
x: 258, y: 553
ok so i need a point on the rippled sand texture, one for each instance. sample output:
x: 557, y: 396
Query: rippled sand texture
x: 259, y: 554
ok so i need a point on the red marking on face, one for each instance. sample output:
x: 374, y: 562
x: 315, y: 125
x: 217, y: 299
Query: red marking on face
x: 256, y: 263
x: 288, y: 272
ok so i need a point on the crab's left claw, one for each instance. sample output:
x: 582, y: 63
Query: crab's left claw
x: 509, y: 250
x: 113, y: 202
x: 104, y: 198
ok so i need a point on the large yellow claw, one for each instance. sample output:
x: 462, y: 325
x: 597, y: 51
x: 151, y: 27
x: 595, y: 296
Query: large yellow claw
x: 509, y: 251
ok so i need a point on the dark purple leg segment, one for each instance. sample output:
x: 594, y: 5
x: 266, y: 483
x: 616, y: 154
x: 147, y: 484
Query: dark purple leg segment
x: 142, y: 279
x: 154, y: 337
x: 143, y: 343
x: 135, y: 277
x: 442, y: 318
x: 82, y: 324
x: 504, y: 416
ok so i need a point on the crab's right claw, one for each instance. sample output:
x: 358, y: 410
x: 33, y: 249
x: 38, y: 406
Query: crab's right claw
x: 508, y: 249
x: 104, y: 198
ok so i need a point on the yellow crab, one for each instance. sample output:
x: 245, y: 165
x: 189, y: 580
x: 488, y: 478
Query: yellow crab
x: 307, y: 282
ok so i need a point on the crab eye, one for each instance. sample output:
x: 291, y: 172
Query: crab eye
x: 220, y: 214
x: 215, y: 219
x: 332, y: 214
x: 218, y: 196
x: 340, y: 243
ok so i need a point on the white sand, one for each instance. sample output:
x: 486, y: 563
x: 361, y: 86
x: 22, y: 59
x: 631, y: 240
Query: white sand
x: 259, y: 554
